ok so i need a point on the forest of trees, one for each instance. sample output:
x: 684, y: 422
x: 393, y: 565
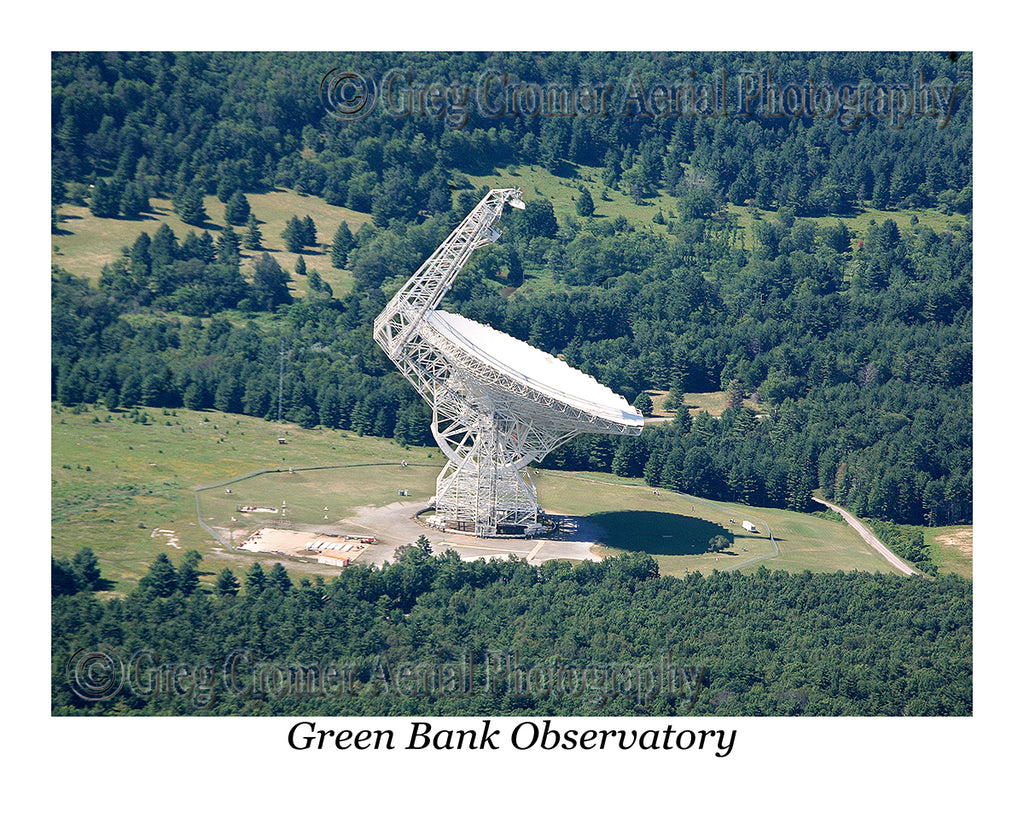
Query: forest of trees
x: 858, y: 351
x: 866, y: 385
x: 178, y: 125
x: 773, y: 643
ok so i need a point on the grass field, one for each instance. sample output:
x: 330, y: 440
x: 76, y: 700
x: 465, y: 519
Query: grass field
x: 115, y: 482
x: 952, y: 549
x: 308, y: 497
x: 563, y: 191
x: 86, y: 243
x: 125, y: 489
x: 695, y: 403
x: 859, y: 222
x: 675, y: 528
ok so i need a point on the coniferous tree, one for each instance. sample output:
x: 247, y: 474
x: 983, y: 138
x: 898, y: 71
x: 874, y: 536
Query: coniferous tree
x: 164, y: 248
x: 199, y: 247
x: 515, y: 269
x: 308, y: 232
x: 318, y: 286
x: 62, y: 578
x: 131, y: 390
x: 255, y: 580
x: 162, y: 578
x: 343, y: 242
x: 228, y: 246
x: 237, y: 211
x: 105, y: 201
x: 584, y: 203
x: 188, y: 579
x: 253, y: 239
x: 189, y: 205
x: 734, y: 395
x: 134, y: 201
x: 277, y: 578
x: 294, y: 235
x: 643, y: 404
x: 86, y: 569
x: 227, y: 584
x: 271, y: 282
x: 141, y: 261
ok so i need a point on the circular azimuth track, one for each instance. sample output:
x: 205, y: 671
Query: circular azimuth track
x: 498, y: 403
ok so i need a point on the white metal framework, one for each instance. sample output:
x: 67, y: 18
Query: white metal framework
x: 498, y: 403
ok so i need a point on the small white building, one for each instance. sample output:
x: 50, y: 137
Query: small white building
x: 750, y: 527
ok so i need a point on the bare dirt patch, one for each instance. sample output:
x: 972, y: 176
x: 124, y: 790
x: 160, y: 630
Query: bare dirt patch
x: 316, y: 546
x: 961, y: 540
x: 397, y: 524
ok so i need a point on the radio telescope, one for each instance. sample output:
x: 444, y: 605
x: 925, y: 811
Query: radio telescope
x: 498, y: 403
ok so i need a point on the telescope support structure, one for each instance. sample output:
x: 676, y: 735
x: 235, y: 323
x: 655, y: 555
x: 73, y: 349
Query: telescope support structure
x: 489, y: 423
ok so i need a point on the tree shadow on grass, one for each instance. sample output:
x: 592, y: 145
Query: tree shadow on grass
x: 658, y: 533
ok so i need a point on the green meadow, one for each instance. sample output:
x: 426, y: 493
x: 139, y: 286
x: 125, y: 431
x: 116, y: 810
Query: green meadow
x: 123, y: 482
x: 713, y: 403
x: 675, y: 529
x: 86, y: 243
x: 952, y: 549
x: 609, y: 203
x: 132, y: 484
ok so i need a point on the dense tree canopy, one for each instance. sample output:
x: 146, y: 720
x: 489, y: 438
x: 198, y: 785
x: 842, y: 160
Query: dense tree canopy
x: 229, y: 122
x: 432, y: 634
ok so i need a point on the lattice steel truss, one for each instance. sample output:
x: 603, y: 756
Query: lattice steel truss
x: 489, y: 424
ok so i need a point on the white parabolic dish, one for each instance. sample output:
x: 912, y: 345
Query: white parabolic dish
x: 535, y: 368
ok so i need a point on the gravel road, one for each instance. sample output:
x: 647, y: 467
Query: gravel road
x: 869, y: 538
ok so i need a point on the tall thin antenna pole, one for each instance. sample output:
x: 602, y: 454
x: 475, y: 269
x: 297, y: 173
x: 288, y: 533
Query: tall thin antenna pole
x: 280, y: 392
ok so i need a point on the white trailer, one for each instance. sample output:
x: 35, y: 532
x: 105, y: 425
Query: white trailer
x: 750, y: 527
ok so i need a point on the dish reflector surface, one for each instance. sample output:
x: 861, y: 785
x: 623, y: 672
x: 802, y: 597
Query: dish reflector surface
x: 536, y: 368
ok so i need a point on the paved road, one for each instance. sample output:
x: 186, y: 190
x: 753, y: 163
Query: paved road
x: 869, y: 538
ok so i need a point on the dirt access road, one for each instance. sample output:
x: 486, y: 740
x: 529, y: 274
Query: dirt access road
x: 869, y: 538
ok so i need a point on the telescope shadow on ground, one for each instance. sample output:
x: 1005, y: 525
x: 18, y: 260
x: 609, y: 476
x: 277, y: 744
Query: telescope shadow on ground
x: 659, y: 533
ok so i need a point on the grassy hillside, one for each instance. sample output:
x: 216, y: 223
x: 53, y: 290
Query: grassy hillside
x: 122, y: 484
x: 713, y: 403
x: 609, y: 203
x: 87, y: 243
x: 952, y: 549
x: 859, y: 222
x: 115, y: 481
x: 564, y: 190
x: 675, y: 529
